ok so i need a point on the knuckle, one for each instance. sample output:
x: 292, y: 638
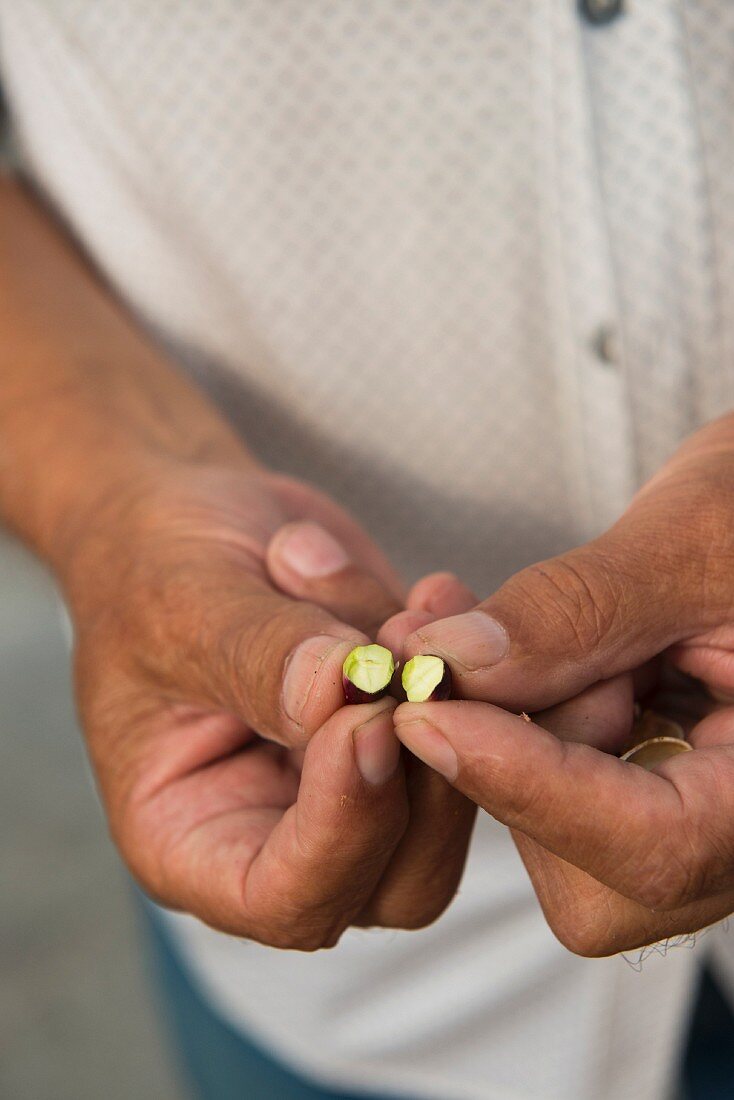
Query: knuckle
x: 405, y: 918
x: 578, y: 596
x: 299, y: 936
x: 413, y: 907
x: 290, y: 924
x: 245, y: 649
x: 427, y: 915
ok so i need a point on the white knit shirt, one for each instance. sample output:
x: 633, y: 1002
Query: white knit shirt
x: 475, y: 258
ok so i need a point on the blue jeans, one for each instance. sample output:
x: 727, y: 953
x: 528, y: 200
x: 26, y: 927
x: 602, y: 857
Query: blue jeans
x: 218, y: 1062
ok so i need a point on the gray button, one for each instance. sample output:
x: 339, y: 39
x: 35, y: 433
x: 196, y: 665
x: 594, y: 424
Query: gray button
x: 601, y: 11
x: 605, y: 345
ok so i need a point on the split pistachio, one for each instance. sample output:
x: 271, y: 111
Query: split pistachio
x: 426, y: 678
x: 366, y: 673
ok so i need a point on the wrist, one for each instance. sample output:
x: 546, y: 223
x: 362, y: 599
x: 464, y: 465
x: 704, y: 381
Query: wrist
x: 88, y: 403
x: 75, y: 455
x: 100, y: 501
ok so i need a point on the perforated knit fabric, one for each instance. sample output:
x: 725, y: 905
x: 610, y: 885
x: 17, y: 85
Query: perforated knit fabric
x: 476, y: 258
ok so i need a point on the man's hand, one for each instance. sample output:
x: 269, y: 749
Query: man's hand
x: 213, y: 603
x: 619, y: 857
x: 190, y: 645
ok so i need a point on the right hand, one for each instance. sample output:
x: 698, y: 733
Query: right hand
x: 200, y: 682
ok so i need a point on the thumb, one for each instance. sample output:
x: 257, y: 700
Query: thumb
x: 558, y: 626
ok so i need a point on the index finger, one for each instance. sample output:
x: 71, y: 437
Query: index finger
x: 591, y: 919
x: 662, y: 838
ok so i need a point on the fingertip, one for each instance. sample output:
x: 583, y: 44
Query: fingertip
x: 429, y: 743
x: 392, y: 634
x: 312, y: 681
x: 348, y: 718
x: 359, y: 714
x: 441, y: 594
x: 303, y: 550
x: 331, y: 750
x: 376, y: 748
x: 410, y: 712
x: 307, y: 562
x: 472, y: 641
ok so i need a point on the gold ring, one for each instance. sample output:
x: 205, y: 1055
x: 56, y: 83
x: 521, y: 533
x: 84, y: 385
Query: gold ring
x: 656, y: 738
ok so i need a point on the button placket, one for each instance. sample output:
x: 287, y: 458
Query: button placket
x: 605, y: 344
x: 590, y: 364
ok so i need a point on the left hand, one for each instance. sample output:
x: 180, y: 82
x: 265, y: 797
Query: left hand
x: 618, y: 856
x: 212, y: 615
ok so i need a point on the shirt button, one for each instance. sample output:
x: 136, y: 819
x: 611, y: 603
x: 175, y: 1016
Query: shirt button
x: 601, y: 11
x: 605, y: 345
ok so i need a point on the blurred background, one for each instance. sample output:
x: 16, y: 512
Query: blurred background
x: 76, y: 1022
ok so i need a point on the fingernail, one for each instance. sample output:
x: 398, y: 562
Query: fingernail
x: 311, y: 551
x: 430, y: 746
x: 376, y: 750
x: 302, y: 668
x: 472, y: 640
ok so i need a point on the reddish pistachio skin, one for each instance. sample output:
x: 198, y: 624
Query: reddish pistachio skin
x: 354, y: 694
x: 396, y: 688
x: 444, y: 688
x: 440, y: 692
